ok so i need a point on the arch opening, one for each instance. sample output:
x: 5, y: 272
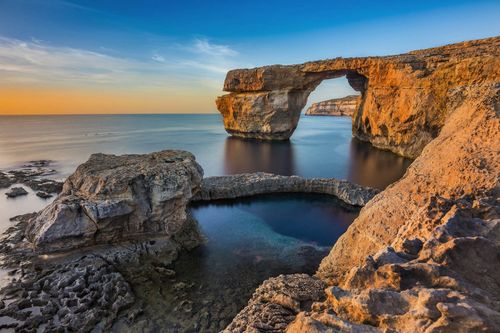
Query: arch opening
x: 336, y: 95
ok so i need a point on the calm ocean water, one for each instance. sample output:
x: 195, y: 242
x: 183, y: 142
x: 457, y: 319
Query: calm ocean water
x: 249, y: 240
x: 320, y: 147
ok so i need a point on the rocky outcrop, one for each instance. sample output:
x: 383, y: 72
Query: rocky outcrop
x: 117, y: 198
x: 423, y: 255
x: 405, y: 99
x: 276, y: 303
x: 249, y: 184
x: 345, y: 106
x: 16, y: 192
x: 33, y: 174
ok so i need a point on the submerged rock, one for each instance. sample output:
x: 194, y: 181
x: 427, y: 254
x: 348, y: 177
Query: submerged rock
x: 43, y: 195
x: 249, y: 184
x: 33, y: 175
x: 116, y: 198
x: 16, y: 192
x: 5, y: 181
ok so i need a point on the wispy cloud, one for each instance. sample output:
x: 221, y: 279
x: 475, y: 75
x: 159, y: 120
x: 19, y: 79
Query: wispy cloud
x: 197, y: 62
x: 158, y: 58
x: 205, y: 47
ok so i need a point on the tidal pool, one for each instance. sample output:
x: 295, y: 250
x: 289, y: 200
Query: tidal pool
x: 248, y: 241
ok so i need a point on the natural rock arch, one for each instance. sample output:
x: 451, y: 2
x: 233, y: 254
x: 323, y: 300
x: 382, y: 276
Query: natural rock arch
x: 405, y: 98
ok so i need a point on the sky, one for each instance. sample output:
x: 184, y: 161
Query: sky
x: 152, y: 56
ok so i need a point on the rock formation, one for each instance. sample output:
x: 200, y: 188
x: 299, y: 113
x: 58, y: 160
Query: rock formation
x: 405, y: 99
x: 423, y: 254
x: 32, y: 174
x: 249, y: 184
x: 116, y: 198
x: 345, y: 106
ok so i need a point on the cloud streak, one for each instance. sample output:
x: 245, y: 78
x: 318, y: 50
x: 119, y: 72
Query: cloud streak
x: 36, y: 62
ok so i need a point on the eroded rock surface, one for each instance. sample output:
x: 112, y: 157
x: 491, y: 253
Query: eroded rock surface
x: 276, y: 303
x: 345, y: 106
x: 80, y: 291
x: 405, y: 99
x: 116, y: 198
x: 249, y: 184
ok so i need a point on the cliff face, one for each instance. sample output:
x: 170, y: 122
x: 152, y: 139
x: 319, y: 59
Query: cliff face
x: 345, y: 106
x: 405, y: 99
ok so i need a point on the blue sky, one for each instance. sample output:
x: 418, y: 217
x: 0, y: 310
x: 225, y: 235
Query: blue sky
x: 182, y: 49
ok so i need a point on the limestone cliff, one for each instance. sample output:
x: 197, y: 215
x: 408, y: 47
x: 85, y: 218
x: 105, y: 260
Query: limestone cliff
x: 345, y: 106
x: 405, y: 99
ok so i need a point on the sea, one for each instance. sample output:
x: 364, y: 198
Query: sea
x: 248, y: 240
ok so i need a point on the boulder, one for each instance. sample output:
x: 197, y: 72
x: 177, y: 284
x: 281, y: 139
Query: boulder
x: 16, y: 192
x: 116, y: 198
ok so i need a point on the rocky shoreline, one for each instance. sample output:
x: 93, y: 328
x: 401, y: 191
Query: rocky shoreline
x: 33, y: 174
x: 84, y: 282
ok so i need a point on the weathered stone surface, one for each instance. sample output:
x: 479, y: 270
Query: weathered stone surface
x: 86, y: 290
x: 249, y: 184
x: 405, y: 101
x: 116, y: 198
x: 276, y: 302
x: 345, y: 106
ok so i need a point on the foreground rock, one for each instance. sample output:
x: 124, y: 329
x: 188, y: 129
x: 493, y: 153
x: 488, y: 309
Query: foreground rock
x: 405, y: 99
x: 423, y: 255
x: 340, y: 107
x: 117, y: 198
x: 276, y: 303
x: 79, y: 291
x: 249, y: 184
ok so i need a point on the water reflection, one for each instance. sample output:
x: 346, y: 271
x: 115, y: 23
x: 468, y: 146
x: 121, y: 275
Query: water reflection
x: 373, y: 167
x: 360, y: 163
x: 244, y: 155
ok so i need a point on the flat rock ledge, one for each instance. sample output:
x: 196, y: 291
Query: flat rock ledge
x: 250, y: 184
x: 113, y: 199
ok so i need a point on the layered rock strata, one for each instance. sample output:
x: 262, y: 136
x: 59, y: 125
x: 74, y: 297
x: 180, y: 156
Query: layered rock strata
x: 117, y: 198
x: 423, y: 255
x: 341, y: 107
x: 405, y: 99
x: 249, y: 184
